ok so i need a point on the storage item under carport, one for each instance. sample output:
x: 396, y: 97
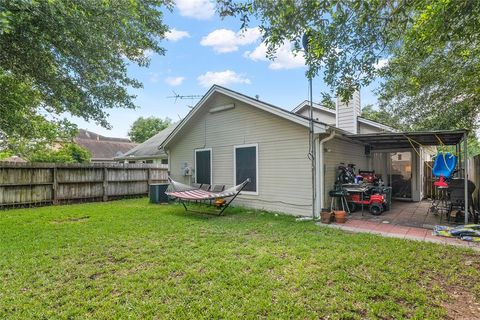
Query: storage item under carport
x: 372, y: 197
x: 157, y: 193
x: 387, y: 191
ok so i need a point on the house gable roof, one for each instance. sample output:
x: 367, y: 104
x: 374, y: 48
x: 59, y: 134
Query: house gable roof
x: 360, y: 119
x: 317, y: 106
x: 319, y: 127
x: 375, y: 124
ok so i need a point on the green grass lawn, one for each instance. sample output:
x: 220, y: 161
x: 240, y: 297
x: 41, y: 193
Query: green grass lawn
x: 132, y: 259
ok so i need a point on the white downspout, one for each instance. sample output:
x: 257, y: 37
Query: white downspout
x: 320, y: 172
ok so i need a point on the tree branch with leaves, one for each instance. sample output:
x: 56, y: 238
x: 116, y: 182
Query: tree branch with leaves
x: 433, y: 50
x: 71, y: 57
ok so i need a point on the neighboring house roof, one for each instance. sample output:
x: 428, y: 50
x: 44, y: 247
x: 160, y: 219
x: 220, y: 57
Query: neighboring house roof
x: 101, y: 147
x: 319, y: 127
x: 333, y: 112
x: 151, y: 147
x: 86, y: 134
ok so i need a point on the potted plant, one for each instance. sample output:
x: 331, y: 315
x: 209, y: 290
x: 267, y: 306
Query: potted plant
x: 340, y: 216
x: 326, y: 216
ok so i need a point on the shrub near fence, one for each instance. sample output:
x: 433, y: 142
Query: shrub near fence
x: 42, y: 183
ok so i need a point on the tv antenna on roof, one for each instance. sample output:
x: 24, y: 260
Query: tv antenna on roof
x: 177, y: 96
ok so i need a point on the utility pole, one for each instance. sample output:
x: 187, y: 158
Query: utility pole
x: 311, y: 140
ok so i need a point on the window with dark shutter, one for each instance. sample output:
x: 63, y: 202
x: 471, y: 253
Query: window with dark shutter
x: 246, y: 166
x: 203, y: 166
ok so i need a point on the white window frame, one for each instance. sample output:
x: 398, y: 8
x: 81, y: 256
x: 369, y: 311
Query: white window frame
x: 211, y: 163
x: 254, y: 193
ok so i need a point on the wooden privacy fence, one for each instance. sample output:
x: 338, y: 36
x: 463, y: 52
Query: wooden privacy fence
x: 428, y: 180
x: 39, y: 183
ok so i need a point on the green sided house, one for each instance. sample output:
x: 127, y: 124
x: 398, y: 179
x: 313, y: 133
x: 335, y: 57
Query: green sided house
x: 229, y: 137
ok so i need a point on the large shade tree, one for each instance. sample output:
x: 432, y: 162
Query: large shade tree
x: 427, y: 52
x: 61, y: 57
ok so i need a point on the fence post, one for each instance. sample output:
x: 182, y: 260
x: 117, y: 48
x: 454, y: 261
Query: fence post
x: 105, y: 183
x: 55, y: 186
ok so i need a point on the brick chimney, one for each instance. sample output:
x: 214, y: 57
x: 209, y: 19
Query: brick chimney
x: 347, y: 113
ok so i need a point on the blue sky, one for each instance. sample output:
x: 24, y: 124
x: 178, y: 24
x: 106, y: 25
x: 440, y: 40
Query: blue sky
x: 202, y: 50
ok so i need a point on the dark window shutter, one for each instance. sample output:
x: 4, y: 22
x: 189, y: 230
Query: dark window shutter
x: 246, y: 167
x: 203, y: 168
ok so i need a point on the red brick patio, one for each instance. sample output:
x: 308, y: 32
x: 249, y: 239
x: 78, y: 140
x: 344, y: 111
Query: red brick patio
x: 406, y: 220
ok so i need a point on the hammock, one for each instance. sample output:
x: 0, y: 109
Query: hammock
x: 185, y: 192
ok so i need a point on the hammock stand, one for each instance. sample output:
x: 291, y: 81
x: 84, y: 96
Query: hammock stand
x: 184, y: 193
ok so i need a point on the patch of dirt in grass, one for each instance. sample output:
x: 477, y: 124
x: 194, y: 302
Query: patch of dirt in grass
x: 115, y: 293
x: 176, y: 274
x: 461, y: 304
x: 73, y: 219
x: 141, y: 267
x: 117, y: 260
x: 284, y: 255
x: 95, y: 275
x: 276, y: 276
x: 472, y: 260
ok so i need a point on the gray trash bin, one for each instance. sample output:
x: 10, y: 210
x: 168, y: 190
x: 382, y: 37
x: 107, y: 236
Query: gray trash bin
x: 157, y: 193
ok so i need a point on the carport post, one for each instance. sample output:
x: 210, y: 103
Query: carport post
x: 465, y: 176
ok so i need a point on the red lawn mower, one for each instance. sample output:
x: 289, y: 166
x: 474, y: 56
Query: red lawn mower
x: 367, y: 196
x: 364, y: 190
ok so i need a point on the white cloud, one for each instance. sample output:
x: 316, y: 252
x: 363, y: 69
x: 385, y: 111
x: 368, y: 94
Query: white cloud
x: 198, y: 9
x: 285, y: 58
x: 176, y: 35
x: 225, y: 40
x: 381, y: 63
x: 174, y: 81
x: 221, y: 78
